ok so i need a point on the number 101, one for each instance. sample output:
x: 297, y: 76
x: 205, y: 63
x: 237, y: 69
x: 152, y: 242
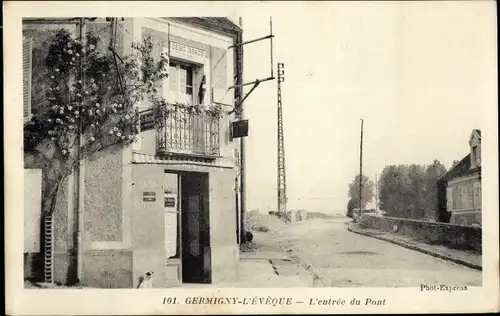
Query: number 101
x: 170, y: 300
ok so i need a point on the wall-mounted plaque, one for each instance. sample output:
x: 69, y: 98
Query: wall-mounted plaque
x: 149, y: 196
x: 169, y: 202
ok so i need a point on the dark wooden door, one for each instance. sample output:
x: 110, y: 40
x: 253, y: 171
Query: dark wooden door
x: 195, y: 229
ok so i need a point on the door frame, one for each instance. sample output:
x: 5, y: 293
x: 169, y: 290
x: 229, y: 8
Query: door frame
x: 205, y: 207
x: 177, y: 262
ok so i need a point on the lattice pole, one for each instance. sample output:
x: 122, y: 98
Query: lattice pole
x: 282, y: 199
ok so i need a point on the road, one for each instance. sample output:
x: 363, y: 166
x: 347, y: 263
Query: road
x: 340, y: 258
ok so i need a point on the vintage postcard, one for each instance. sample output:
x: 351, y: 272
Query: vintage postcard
x: 158, y: 162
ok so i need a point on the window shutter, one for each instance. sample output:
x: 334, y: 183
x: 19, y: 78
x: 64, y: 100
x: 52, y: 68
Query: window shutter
x: 27, y: 67
x: 200, y: 84
x: 449, y: 199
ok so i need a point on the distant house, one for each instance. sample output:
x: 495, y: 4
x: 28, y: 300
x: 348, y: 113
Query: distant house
x: 460, y: 188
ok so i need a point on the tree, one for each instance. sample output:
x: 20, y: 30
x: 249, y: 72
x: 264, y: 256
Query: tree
x: 367, y: 194
x: 410, y: 191
x: 432, y: 174
x: 90, y: 104
x: 415, y: 198
x: 393, y: 187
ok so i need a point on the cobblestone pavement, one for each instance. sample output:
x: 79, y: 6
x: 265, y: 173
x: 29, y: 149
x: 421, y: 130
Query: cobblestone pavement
x: 339, y: 258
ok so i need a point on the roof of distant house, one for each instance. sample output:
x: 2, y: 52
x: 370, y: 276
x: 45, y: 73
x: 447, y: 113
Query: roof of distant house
x: 461, y: 168
x: 464, y: 166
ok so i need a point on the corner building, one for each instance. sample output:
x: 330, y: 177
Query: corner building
x: 167, y: 203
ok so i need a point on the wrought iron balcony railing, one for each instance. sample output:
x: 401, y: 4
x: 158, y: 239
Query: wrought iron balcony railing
x: 184, y: 132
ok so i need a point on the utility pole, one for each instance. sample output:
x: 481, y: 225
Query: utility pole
x: 281, y: 185
x: 361, y: 170
x: 239, y: 115
x: 240, y: 97
x: 376, y: 195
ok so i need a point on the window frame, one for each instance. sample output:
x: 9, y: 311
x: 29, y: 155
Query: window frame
x: 180, y: 91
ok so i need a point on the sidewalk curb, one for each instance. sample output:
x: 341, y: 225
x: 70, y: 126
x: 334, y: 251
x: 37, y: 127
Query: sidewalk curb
x: 287, y: 256
x: 412, y: 247
x: 316, y: 280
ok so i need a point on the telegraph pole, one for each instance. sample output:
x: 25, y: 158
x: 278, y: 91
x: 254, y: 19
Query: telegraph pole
x: 239, y: 115
x: 240, y: 97
x: 376, y: 195
x: 361, y: 170
x: 281, y: 185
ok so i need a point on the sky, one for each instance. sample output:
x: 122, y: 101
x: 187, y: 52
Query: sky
x: 418, y: 73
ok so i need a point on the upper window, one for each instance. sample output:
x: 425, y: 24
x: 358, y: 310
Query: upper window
x: 181, y: 82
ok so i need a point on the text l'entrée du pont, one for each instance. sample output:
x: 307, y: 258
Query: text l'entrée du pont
x: 271, y: 301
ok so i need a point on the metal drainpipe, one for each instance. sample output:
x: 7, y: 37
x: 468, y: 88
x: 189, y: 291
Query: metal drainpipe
x: 80, y: 173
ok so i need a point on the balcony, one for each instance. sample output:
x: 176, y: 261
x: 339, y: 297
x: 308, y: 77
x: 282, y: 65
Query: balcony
x: 184, y: 132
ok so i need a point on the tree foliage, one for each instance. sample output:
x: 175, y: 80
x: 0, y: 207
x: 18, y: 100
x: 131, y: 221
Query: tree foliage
x: 91, y: 103
x: 367, y: 194
x: 85, y: 99
x: 410, y: 191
